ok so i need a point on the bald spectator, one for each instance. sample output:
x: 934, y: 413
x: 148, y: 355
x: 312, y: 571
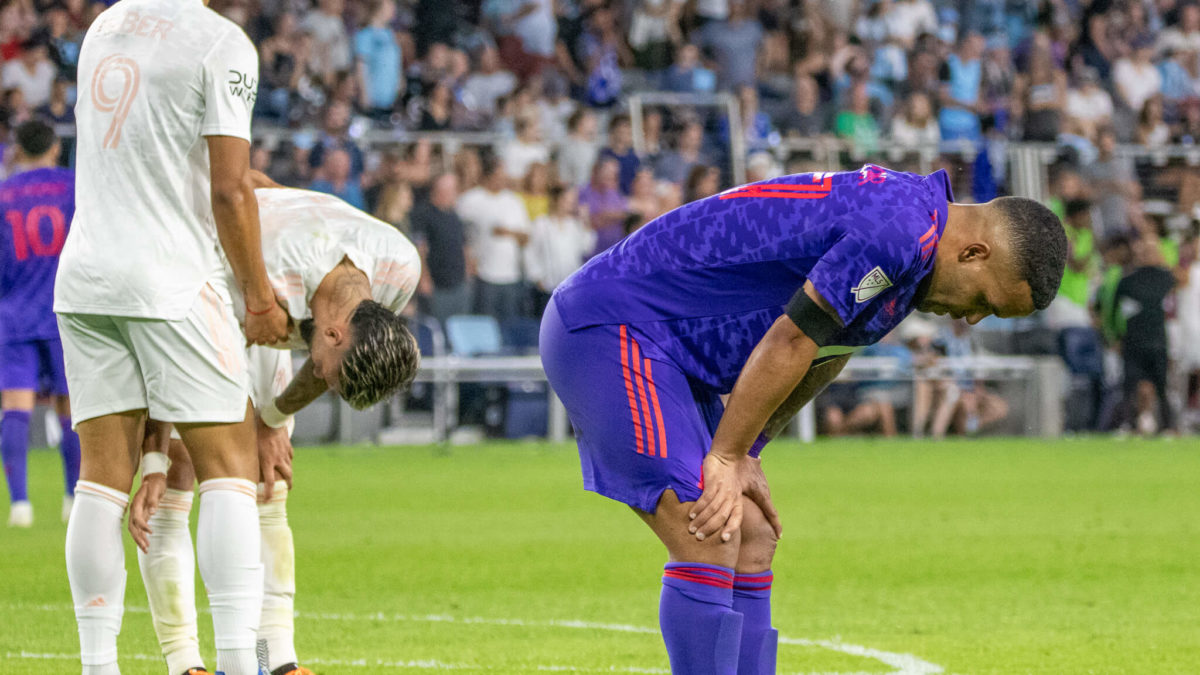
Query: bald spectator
x: 334, y: 177
x: 441, y: 238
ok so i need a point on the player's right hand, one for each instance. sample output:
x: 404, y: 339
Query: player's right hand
x: 719, y: 508
x: 144, y: 505
x: 268, y: 328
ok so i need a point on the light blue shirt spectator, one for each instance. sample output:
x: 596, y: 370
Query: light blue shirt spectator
x: 350, y: 192
x: 376, y: 47
x: 963, y: 87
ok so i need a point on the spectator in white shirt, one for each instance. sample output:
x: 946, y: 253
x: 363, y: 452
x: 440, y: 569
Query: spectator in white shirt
x: 499, y: 227
x: 916, y: 127
x: 331, y: 44
x: 577, y: 153
x: 1136, y: 77
x: 32, y: 73
x: 558, y: 244
x: 488, y: 83
x: 526, y: 149
x: 1089, y: 106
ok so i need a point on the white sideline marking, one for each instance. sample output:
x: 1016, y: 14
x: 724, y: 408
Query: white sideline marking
x: 904, y: 664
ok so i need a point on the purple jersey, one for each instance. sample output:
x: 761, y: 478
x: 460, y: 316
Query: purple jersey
x: 37, y: 207
x: 708, y: 279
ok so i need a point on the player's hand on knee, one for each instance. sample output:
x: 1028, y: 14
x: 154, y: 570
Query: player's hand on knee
x: 266, y: 325
x: 719, y: 508
x: 144, y: 505
x: 754, y: 486
x: 274, y: 458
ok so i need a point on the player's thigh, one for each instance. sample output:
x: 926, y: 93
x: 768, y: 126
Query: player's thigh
x: 669, y: 521
x: 223, y: 450
x: 111, y: 447
x: 181, y: 475
x: 102, y: 370
x: 194, y: 368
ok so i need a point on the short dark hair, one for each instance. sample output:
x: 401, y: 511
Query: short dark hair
x: 35, y: 137
x: 618, y: 120
x: 382, y: 358
x: 1039, y: 245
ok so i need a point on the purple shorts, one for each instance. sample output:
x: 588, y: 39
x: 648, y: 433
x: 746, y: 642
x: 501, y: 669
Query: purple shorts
x: 642, y: 426
x: 33, y: 364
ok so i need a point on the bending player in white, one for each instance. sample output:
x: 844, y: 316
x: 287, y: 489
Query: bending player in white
x: 344, y: 275
x: 147, y: 323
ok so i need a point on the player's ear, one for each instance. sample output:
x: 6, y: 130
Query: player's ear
x: 976, y: 252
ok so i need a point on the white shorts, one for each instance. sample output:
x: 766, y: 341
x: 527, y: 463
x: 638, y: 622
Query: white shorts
x: 270, y: 371
x: 187, y: 371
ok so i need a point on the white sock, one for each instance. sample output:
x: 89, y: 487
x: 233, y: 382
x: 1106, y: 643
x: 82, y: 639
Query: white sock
x: 276, y: 631
x: 227, y: 548
x: 96, y: 570
x: 169, y: 575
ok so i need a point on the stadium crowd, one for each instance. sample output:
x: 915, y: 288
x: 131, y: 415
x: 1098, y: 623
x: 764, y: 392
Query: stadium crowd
x: 547, y: 172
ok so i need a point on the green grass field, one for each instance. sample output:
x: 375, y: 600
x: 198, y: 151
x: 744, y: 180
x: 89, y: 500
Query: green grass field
x: 1007, y: 556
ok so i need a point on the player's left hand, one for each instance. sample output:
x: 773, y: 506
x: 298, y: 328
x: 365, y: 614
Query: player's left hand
x: 144, y: 505
x: 719, y: 508
x: 274, y: 458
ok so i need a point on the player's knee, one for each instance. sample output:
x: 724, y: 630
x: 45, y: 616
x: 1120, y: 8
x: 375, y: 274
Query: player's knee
x: 758, y: 540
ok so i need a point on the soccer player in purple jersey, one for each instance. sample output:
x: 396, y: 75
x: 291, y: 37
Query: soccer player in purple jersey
x: 762, y: 293
x: 37, y: 204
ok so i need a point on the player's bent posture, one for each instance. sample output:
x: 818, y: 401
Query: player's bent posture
x: 761, y: 292
x: 148, y: 326
x: 37, y: 204
x: 344, y: 276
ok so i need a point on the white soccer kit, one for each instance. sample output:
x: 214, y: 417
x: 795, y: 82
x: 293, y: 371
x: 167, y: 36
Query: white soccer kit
x: 155, y: 78
x: 306, y: 234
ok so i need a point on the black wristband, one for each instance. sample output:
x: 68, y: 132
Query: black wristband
x: 811, y: 319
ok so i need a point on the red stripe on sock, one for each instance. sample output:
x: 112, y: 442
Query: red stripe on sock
x: 708, y: 581
x: 629, y: 390
x: 702, y: 570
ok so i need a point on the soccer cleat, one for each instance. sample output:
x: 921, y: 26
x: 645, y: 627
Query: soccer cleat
x: 20, y: 514
x: 68, y: 504
x: 291, y: 669
x: 197, y: 671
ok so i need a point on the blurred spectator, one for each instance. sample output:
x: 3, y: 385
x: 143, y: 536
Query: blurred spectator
x: 441, y: 238
x: 58, y: 110
x: 32, y: 73
x: 395, y: 204
x: 379, y: 61
x: 703, y: 181
x: 578, y: 152
x: 653, y: 30
x: 391, y: 169
x: 687, y: 73
x: 874, y: 404
x: 1151, y: 130
x: 916, y: 127
x: 331, y: 44
x: 674, y: 165
x: 1089, y: 106
x: 554, y: 107
x: 435, y: 111
x: 652, y: 123
x: 1139, y: 304
x: 1113, y: 178
x: 606, y: 205
x: 1184, y: 36
x: 643, y: 203
x: 1070, y: 308
x: 965, y: 406
x: 1042, y: 94
x: 335, y: 135
x: 535, y: 190
x: 63, y: 40
x: 499, y: 231
x: 526, y: 31
x: 757, y: 129
x: 488, y: 83
x: 526, y: 149
x: 468, y: 168
x: 620, y: 150
x: 731, y: 41
x: 559, y: 242
x: 856, y: 123
x: 603, y: 52
x: 963, y: 75
x: 335, y: 177
x: 805, y: 116
x: 1135, y: 78
x: 436, y: 22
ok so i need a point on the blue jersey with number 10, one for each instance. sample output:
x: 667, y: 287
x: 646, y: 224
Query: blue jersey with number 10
x: 36, y: 207
x: 708, y: 279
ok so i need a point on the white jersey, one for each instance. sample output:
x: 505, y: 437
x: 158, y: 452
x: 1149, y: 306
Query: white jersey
x: 155, y: 78
x: 306, y: 234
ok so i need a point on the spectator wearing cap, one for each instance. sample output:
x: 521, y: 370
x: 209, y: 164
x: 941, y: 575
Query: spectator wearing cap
x: 334, y: 177
x: 379, y: 62
x: 1135, y: 77
x: 32, y: 73
x: 499, y: 227
x: 620, y: 150
x: 1089, y: 106
x: 578, y: 151
x: 733, y: 43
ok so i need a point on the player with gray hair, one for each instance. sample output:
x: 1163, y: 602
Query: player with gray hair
x: 343, y: 276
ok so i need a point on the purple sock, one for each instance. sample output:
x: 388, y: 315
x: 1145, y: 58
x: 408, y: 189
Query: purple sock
x: 14, y: 445
x: 699, y: 626
x: 752, y: 597
x: 69, y: 448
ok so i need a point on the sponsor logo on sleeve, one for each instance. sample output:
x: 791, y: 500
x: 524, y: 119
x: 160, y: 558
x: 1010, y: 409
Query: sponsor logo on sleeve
x: 874, y: 283
x: 243, y: 86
